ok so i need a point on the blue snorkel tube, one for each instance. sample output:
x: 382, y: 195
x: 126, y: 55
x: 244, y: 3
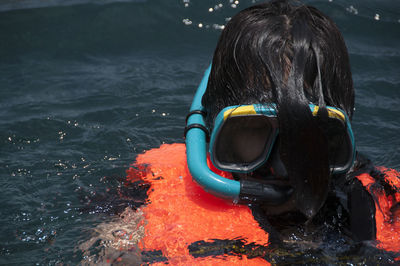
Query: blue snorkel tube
x: 196, y: 150
x: 243, y: 191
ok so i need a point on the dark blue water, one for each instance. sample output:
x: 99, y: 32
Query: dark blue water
x: 86, y: 86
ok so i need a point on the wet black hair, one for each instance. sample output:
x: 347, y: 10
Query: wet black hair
x: 290, y: 54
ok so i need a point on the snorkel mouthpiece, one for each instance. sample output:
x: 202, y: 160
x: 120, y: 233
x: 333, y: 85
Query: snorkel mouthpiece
x: 256, y: 191
x: 244, y: 191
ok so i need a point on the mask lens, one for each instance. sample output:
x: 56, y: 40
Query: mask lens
x: 339, y: 144
x: 243, y: 142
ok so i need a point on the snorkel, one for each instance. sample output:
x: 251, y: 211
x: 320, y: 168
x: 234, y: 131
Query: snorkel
x: 243, y: 191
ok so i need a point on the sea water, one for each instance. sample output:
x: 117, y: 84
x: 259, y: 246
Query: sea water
x: 85, y: 86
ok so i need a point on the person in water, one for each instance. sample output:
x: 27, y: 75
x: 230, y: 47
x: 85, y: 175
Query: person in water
x: 288, y: 64
x: 276, y: 105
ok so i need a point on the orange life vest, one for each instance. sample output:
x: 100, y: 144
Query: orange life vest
x: 180, y: 215
x: 385, y: 190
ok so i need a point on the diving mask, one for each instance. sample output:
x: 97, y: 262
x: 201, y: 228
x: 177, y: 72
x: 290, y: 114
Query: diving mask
x: 243, y: 137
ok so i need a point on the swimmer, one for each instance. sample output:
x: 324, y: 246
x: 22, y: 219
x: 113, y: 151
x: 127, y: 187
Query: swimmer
x: 278, y: 104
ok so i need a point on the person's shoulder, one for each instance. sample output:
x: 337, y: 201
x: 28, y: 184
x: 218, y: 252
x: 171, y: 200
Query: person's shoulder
x: 380, y: 174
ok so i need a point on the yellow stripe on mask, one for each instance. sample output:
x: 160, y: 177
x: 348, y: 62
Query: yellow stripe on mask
x: 241, y: 110
x: 331, y: 113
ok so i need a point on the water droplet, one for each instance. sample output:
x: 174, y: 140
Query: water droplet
x: 352, y: 9
x: 218, y: 27
x: 186, y: 3
x: 187, y: 22
x: 39, y: 231
x: 61, y: 135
